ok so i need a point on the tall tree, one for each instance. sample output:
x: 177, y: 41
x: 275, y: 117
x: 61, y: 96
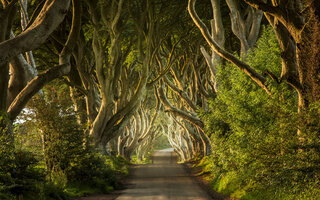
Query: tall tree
x: 296, y: 30
x: 23, y: 82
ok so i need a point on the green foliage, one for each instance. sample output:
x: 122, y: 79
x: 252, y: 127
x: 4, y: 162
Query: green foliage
x: 118, y: 164
x: 69, y: 166
x: 62, y: 137
x: 19, y: 175
x: 97, y: 175
x: 257, y: 152
x: 6, y: 161
x: 29, y: 139
x: 52, y: 191
x: 73, y: 167
x: 146, y: 160
x: 90, y: 169
x: 18, y: 172
x: 161, y: 142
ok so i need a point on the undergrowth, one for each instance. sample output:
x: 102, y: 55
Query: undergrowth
x: 262, y: 147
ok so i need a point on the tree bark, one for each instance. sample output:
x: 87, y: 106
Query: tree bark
x: 255, y: 76
x: 175, y: 111
x: 6, y: 20
x: 247, y: 30
x: 51, y: 15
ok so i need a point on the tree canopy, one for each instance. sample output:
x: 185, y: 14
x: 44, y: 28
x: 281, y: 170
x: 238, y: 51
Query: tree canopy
x: 94, y: 83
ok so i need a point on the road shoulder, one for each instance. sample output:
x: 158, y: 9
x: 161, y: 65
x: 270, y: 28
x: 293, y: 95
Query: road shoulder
x: 202, y: 182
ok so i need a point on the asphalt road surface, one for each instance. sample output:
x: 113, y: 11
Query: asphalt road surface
x: 162, y: 180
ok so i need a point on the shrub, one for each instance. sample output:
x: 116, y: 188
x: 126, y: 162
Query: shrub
x: 257, y: 152
x: 91, y: 169
x: 71, y: 165
x: 20, y: 176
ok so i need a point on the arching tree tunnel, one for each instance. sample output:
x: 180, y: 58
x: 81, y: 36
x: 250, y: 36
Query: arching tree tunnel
x: 87, y: 83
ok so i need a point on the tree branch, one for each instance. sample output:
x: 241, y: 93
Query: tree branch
x: 71, y: 84
x: 51, y: 15
x: 63, y: 69
x: 255, y: 76
x: 180, y: 93
x: 273, y: 10
x: 33, y: 87
x: 169, y: 108
x: 289, y: 17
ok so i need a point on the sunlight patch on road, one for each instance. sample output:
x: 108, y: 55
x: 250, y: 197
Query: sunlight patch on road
x: 167, y: 150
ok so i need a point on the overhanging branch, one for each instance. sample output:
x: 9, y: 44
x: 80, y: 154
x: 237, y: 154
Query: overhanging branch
x: 33, y: 87
x: 255, y: 76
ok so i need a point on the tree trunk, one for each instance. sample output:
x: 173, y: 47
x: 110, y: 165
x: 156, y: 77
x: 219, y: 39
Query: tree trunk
x: 51, y: 15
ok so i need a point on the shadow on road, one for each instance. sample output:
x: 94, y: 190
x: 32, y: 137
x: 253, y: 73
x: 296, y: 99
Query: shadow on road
x: 164, y: 179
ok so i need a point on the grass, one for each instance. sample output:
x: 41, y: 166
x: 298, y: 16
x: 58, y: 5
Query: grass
x: 78, y: 190
x: 240, y: 186
x: 59, y: 188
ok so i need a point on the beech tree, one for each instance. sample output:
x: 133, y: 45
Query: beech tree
x: 20, y: 81
x: 111, y: 70
x: 296, y: 25
x: 245, y: 25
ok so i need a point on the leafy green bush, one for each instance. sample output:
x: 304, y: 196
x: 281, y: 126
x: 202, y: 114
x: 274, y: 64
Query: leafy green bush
x: 91, y: 169
x: 52, y: 191
x: 18, y: 172
x: 257, y: 152
x: 71, y: 162
x: 25, y: 173
x: 118, y: 164
x: 69, y: 165
x: 20, y: 176
x: 95, y: 174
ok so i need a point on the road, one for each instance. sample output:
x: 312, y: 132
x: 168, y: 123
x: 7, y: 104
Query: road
x: 162, y: 180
